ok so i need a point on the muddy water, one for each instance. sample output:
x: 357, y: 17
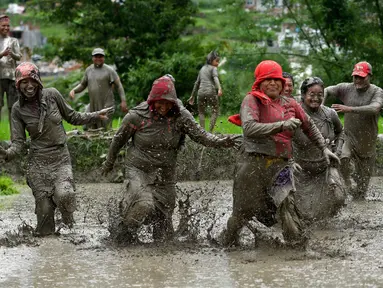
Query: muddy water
x: 344, y: 252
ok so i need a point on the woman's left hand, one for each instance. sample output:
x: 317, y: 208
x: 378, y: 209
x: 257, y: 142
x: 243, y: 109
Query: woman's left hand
x: 104, y: 114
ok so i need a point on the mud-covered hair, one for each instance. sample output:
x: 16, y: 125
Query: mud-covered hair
x: 211, y: 57
x: 288, y: 75
x: 308, y: 82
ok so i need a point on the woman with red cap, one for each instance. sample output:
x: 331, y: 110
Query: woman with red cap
x: 263, y: 182
x: 49, y: 173
x: 155, y: 128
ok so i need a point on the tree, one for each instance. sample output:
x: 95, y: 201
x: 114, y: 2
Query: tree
x: 133, y: 33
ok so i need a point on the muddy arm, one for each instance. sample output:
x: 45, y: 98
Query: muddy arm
x: 120, y: 89
x: 125, y: 132
x: 251, y: 126
x: 18, y: 136
x: 15, y: 52
x: 69, y: 114
x: 309, y: 128
x: 216, y: 79
x: 196, y: 87
x: 197, y: 133
x: 339, y: 132
x: 371, y: 109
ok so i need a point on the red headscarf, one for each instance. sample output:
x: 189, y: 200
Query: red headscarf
x: 265, y: 70
x: 27, y: 70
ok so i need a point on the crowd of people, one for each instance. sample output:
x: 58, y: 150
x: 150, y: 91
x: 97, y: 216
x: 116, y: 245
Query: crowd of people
x: 300, y: 148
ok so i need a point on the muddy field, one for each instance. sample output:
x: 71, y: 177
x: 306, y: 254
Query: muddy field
x: 344, y: 252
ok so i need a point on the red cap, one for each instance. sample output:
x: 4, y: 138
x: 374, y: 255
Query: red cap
x: 362, y: 69
x: 267, y: 69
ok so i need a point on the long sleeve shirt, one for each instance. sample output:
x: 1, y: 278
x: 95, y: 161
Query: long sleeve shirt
x: 262, y: 126
x: 360, y: 125
x: 43, y: 122
x: 8, y: 63
x: 155, y: 139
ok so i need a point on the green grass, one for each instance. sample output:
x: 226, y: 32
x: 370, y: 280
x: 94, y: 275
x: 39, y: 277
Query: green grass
x: 7, y: 186
x: 222, y: 126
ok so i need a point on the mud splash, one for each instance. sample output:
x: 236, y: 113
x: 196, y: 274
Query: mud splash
x: 344, y: 251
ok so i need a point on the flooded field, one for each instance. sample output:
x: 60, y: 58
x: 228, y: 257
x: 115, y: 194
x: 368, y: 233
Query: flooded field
x: 344, y: 252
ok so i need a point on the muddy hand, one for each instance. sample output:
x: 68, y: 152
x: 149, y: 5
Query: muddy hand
x: 328, y: 155
x: 104, y: 114
x: 6, y: 51
x: 227, y: 141
x: 291, y: 124
x: 295, y: 166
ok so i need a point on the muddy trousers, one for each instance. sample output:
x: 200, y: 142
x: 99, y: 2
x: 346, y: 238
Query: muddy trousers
x: 64, y: 199
x: 8, y: 87
x: 203, y: 102
x: 364, y: 167
x: 145, y: 201
x: 253, y: 178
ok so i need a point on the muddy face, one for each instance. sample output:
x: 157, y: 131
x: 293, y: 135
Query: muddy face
x: 360, y: 82
x: 314, y: 97
x: 4, y: 28
x: 163, y: 107
x: 271, y: 87
x: 28, y: 87
x: 288, y: 89
x: 98, y: 60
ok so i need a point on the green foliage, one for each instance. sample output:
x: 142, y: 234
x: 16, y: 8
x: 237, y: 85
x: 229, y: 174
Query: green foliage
x: 7, y: 186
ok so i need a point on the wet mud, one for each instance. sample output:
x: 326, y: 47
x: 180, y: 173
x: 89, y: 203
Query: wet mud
x: 342, y: 252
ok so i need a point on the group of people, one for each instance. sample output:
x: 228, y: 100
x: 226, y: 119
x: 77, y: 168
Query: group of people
x: 300, y: 149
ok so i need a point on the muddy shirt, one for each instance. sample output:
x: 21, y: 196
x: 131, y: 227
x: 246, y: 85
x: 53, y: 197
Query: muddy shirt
x: 99, y: 81
x: 329, y: 125
x: 8, y: 63
x: 207, y: 81
x: 262, y: 126
x: 360, y: 125
x: 46, y: 117
x: 155, y: 139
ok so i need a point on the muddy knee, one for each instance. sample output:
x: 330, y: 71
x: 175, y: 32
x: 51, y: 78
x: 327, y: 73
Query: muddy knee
x: 137, y: 214
x: 65, y: 199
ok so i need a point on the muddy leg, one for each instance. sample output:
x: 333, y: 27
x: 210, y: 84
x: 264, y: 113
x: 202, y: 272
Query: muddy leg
x: 201, y: 112
x: 363, y: 169
x: 162, y: 227
x: 292, y: 225
x: 65, y: 199
x: 231, y: 234
x: 214, y: 116
x: 45, y: 217
x: 345, y: 170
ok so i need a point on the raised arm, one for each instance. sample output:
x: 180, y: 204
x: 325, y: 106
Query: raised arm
x: 199, y: 135
x: 68, y: 113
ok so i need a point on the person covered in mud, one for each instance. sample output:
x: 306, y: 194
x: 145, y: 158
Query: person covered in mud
x: 209, y: 89
x: 49, y: 171
x: 9, y: 54
x: 362, y: 103
x: 155, y: 127
x: 263, y: 181
x: 320, y: 188
x: 100, y: 79
x: 289, y: 85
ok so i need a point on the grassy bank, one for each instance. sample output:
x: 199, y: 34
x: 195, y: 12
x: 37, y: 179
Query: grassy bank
x: 223, y: 126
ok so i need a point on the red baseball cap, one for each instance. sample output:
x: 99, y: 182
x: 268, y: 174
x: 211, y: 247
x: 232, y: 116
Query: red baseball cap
x: 362, y: 69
